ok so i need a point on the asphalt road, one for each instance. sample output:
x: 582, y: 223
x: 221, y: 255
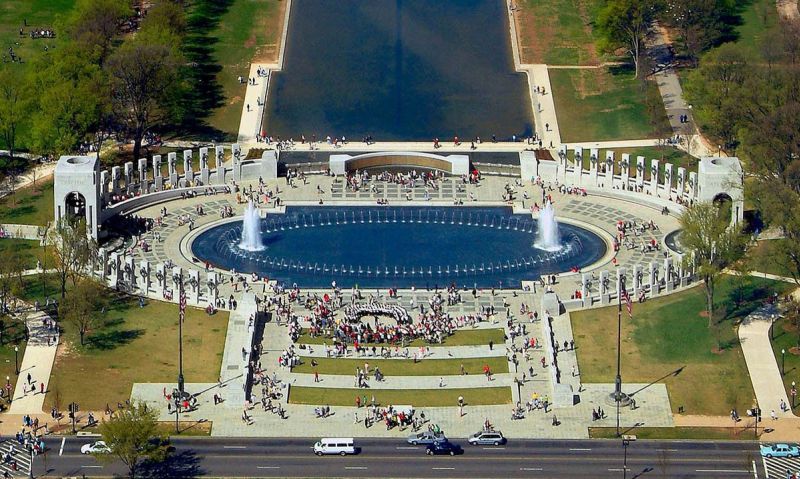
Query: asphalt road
x: 212, y: 457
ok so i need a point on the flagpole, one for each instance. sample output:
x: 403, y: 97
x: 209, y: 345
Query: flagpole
x: 620, y: 398
x: 181, y: 316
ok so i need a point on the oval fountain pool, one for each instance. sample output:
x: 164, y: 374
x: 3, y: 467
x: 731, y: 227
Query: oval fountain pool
x: 398, y: 247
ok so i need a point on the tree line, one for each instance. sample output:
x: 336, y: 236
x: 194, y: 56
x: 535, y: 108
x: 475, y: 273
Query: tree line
x: 101, y: 81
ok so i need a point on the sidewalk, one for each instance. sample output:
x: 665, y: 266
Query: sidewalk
x: 253, y: 105
x: 761, y: 363
x: 40, y: 354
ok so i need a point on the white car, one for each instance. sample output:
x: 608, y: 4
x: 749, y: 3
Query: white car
x: 97, y: 447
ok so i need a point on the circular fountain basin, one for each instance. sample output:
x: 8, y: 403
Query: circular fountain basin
x: 398, y: 247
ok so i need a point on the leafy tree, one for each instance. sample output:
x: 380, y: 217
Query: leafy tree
x: 93, y: 26
x: 712, y: 243
x: 73, y: 250
x: 700, y: 23
x: 133, y: 437
x: 82, y: 306
x: 11, y: 268
x: 624, y: 24
x: 13, y: 106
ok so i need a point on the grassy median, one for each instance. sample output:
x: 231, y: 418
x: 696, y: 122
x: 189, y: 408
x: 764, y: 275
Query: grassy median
x: 462, y: 337
x: 414, y: 397
x: 404, y: 367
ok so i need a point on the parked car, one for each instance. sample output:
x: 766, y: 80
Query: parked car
x: 780, y: 450
x: 494, y: 438
x: 97, y: 447
x: 443, y: 447
x: 424, y: 438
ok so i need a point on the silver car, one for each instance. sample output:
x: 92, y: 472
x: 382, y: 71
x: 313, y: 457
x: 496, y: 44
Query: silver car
x: 426, y: 437
x: 494, y: 438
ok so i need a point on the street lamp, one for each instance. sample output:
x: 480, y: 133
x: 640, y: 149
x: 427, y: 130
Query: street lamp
x: 625, y: 443
x: 783, y: 362
x: 719, y: 148
x: 794, y: 394
x: 16, y: 359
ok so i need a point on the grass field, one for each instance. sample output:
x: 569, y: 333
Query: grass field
x: 132, y: 344
x: 668, y: 334
x: 32, y: 205
x: 404, y: 367
x: 413, y: 397
x: 462, y: 337
x: 226, y: 37
x: 785, y: 338
x: 606, y: 104
x: 757, y: 16
x: 28, y: 250
x: 42, y: 14
x: 557, y: 32
x: 13, y: 335
x: 715, y: 433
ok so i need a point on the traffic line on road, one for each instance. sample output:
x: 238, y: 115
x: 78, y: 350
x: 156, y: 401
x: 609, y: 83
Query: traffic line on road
x: 724, y: 471
x: 92, y: 467
x: 493, y: 448
x: 355, y: 467
x: 530, y: 468
x: 268, y: 467
x: 61, y: 451
x: 234, y: 447
x: 406, y: 447
x: 580, y: 449
x: 443, y: 468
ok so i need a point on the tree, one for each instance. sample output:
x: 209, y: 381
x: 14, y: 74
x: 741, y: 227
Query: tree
x: 133, y: 437
x: 712, y: 243
x: 93, y: 26
x: 700, y: 23
x: 73, y: 250
x: 13, y: 114
x: 11, y: 268
x: 145, y: 81
x: 82, y: 306
x: 624, y: 24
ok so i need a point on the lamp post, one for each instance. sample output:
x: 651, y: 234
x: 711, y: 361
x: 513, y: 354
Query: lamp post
x: 719, y: 151
x: 625, y: 443
x: 783, y: 362
x: 16, y: 359
x: 794, y: 394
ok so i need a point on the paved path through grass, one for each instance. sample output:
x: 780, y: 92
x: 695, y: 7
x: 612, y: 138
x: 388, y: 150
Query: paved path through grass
x: 38, y: 362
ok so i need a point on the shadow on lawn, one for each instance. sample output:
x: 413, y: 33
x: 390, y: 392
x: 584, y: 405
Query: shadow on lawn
x: 113, y: 339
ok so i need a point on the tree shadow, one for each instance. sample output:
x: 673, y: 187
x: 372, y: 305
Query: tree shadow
x: 112, y: 339
x: 183, y: 464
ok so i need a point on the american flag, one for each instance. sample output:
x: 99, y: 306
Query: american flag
x: 628, y: 304
x: 182, y: 304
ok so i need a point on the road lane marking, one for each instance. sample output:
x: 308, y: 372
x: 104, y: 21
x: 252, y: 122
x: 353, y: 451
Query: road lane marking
x: 618, y: 469
x: 234, y: 447
x: 579, y: 449
x: 93, y: 466
x: 61, y: 451
x: 667, y: 450
x: 443, y: 468
x: 268, y: 467
x: 724, y: 471
x: 530, y: 468
x: 355, y: 467
x: 492, y: 448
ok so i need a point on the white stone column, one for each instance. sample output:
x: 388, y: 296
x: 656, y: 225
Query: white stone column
x: 204, y: 165
x: 219, y: 161
x: 129, y: 177
x: 172, y: 158
x: 585, y: 292
x: 213, y: 288
x: 143, y: 183
x: 654, y: 177
x: 604, y: 287
x: 624, y: 173
x: 188, y: 172
x: 640, y: 171
x: 669, y: 274
x: 236, y: 154
x: 115, y: 178
x: 594, y: 160
x: 194, y: 282
x: 114, y: 270
x: 638, y: 279
x: 578, y: 165
x: 668, y: 179
x: 158, y: 180
x: 608, y: 183
x: 130, y: 272
x: 144, y: 272
x: 161, y: 279
x: 681, y: 182
x: 654, y: 289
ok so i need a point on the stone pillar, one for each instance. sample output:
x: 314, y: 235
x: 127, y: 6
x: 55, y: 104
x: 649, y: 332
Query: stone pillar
x: 654, y: 177
x: 172, y: 158
x: 236, y: 154
x: 620, y: 280
x: 654, y: 289
x: 194, y: 282
x: 604, y: 287
x: 638, y: 279
x: 693, y: 185
x: 640, y: 171
x: 115, y: 177
x: 219, y: 160
x: 594, y: 161
x: 561, y: 170
x: 114, y: 270
x: 102, y: 256
x: 624, y: 170
x: 668, y: 179
x: 144, y: 272
x: 130, y: 272
x: 608, y: 183
x: 269, y: 165
x: 158, y: 180
x: 104, y: 186
x: 188, y: 172
x: 669, y: 275
x: 681, y: 181
x: 204, y: 165
x: 578, y: 165
x: 143, y: 183
x: 213, y: 288
x: 587, y: 300
x: 161, y: 279
x: 177, y: 278
x: 129, y: 177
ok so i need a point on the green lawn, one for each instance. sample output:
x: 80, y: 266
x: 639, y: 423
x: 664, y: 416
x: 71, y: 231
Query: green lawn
x: 404, y: 367
x: 606, y: 104
x: 131, y: 344
x: 714, y: 433
x: 462, y: 337
x: 413, y: 397
x: 785, y: 338
x: 39, y: 14
x: 669, y: 333
x: 13, y: 333
x: 28, y: 250
x: 557, y: 32
x: 763, y: 258
x: 32, y: 205
x: 665, y: 154
x: 757, y: 16
x: 226, y: 37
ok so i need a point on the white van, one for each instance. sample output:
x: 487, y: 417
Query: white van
x: 334, y: 445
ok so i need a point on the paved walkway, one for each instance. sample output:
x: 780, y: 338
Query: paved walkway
x: 788, y: 10
x: 764, y: 369
x: 40, y: 353
x: 255, y: 99
x: 15, y: 231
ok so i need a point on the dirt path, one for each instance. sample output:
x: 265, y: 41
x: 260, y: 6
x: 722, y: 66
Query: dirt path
x: 788, y: 10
